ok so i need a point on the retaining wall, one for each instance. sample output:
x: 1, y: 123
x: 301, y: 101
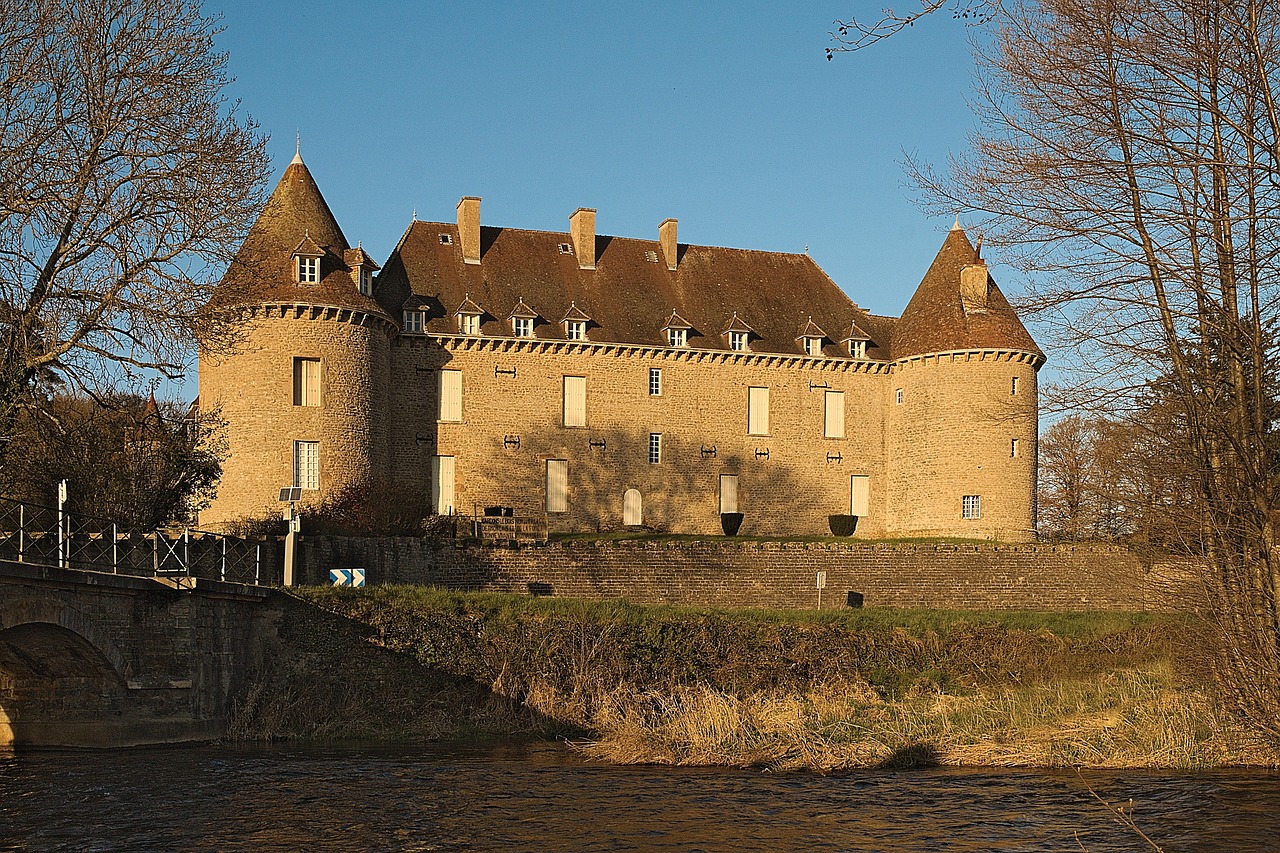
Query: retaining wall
x: 755, y: 574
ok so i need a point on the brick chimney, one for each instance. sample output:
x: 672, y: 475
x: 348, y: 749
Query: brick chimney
x: 582, y: 228
x: 667, y: 238
x: 469, y: 228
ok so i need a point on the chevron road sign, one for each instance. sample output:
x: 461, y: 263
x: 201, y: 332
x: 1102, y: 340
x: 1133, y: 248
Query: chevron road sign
x: 346, y: 577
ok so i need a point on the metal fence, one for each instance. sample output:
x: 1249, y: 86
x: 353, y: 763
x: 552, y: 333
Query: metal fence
x: 47, y: 536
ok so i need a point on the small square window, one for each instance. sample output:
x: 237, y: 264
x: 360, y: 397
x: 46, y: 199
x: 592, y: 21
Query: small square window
x: 522, y: 326
x: 898, y: 397
x: 738, y: 341
x: 971, y: 506
x: 678, y: 337
x: 446, y: 239
x: 413, y: 322
x: 655, y: 381
x: 566, y: 249
x: 575, y: 330
x: 469, y: 324
x: 655, y: 448
x: 308, y: 270
x: 651, y: 256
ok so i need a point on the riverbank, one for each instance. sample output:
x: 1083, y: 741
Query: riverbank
x: 784, y: 689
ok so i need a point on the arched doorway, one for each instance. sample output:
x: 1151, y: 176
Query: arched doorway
x: 632, y: 511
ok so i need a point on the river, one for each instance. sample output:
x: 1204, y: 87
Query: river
x: 544, y: 798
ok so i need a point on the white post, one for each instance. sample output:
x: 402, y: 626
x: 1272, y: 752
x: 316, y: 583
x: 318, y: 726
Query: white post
x: 291, y: 543
x: 62, y: 538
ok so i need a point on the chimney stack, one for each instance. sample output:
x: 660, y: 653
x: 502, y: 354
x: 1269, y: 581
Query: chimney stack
x: 667, y: 238
x: 973, y: 287
x: 582, y: 228
x: 469, y: 228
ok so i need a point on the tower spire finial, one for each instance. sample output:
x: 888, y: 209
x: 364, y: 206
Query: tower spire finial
x: 297, y: 154
x: 957, y: 227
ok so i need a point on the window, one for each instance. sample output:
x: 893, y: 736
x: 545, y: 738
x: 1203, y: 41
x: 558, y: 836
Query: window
x: 575, y: 330
x: 522, y: 326
x: 557, y: 485
x: 566, y: 249
x: 858, y: 349
x: 655, y: 381
x: 469, y: 324
x: 306, y: 381
x: 446, y: 239
x: 860, y: 495
x: 738, y: 341
x: 651, y: 256
x: 1013, y: 448
x: 728, y: 493
x: 898, y: 397
x: 971, y: 506
x: 678, y: 337
x: 450, y: 395
x: 833, y: 414
x: 413, y: 322
x: 813, y: 346
x: 575, y: 401
x: 306, y: 464
x: 655, y: 448
x: 1013, y: 386
x: 442, y: 473
x: 308, y: 270
x: 366, y: 282
x: 757, y: 411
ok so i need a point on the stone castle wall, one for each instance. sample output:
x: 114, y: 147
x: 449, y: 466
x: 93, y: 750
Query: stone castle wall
x: 746, y: 574
x: 254, y: 391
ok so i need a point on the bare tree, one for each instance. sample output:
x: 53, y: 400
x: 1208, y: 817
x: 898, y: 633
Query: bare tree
x: 126, y: 179
x: 855, y: 34
x: 1129, y: 159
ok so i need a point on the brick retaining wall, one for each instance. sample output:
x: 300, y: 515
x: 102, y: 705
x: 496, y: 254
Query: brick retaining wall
x: 755, y: 574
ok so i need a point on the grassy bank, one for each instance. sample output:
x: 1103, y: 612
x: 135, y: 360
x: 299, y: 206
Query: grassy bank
x: 805, y: 689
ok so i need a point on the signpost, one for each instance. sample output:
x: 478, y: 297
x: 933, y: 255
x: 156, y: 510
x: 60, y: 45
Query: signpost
x: 291, y: 494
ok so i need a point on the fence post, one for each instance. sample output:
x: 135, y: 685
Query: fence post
x: 223, y: 573
x: 155, y: 552
x: 22, y: 530
x: 186, y: 549
x: 115, y: 549
x: 257, y: 565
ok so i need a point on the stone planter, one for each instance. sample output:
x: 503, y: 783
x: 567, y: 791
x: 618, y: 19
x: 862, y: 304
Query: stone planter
x: 842, y: 525
x: 730, y: 522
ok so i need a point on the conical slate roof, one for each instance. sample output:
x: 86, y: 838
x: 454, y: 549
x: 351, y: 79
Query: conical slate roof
x: 935, y: 319
x: 296, y: 219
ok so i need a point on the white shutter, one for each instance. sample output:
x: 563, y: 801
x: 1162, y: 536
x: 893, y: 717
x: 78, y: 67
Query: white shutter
x: 575, y: 401
x: 728, y: 492
x: 311, y: 382
x: 442, y: 468
x: 632, y: 515
x: 557, y: 485
x: 450, y: 395
x: 834, y: 414
x: 757, y: 412
x: 860, y: 495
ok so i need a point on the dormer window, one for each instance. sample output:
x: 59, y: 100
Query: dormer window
x: 738, y: 341
x: 366, y: 282
x: 469, y: 324
x: 678, y: 337
x: 308, y: 270
x: 813, y: 346
x: 857, y: 349
x: 522, y: 327
x: 575, y: 330
x: 413, y: 322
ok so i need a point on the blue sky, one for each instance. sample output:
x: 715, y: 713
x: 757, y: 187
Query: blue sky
x: 724, y: 115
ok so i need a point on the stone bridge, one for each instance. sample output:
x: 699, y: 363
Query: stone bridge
x: 97, y: 659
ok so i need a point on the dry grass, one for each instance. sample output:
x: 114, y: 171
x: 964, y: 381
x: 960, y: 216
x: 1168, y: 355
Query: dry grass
x: 1120, y: 719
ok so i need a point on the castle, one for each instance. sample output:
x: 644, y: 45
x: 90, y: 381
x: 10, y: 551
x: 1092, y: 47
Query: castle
x: 605, y: 382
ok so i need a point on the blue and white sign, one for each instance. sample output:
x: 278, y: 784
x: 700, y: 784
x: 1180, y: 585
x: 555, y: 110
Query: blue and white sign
x: 346, y: 577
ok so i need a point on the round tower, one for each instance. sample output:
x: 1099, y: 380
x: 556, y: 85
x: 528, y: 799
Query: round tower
x: 303, y: 389
x: 962, y: 410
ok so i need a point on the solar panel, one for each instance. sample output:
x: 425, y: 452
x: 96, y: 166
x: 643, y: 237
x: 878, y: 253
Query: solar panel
x: 291, y: 493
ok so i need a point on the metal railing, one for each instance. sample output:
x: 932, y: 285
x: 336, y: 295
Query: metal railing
x: 47, y: 536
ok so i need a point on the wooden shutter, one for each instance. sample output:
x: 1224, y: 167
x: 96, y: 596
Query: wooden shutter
x: 632, y: 514
x: 860, y: 495
x: 728, y: 492
x: 757, y: 412
x: 442, y: 470
x: 575, y: 401
x: 450, y: 395
x: 557, y: 485
x: 833, y: 426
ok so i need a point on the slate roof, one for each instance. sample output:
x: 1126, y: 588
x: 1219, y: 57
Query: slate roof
x: 935, y: 320
x: 629, y: 297
x: 295, y: 219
